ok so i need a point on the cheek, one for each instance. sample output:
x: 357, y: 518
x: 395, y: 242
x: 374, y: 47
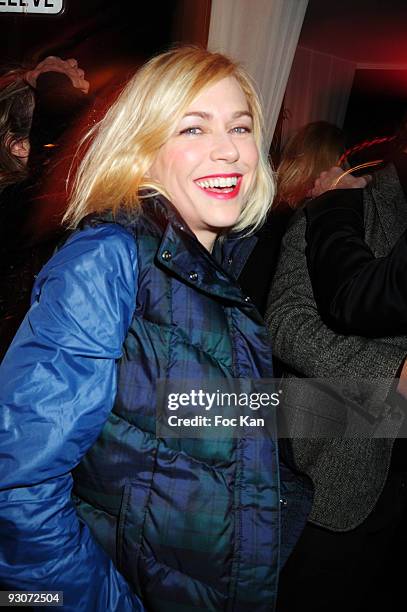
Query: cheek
x: 253, y: 156
x: 175, y: 163
x: 185, y: 159
x: 181, y: 169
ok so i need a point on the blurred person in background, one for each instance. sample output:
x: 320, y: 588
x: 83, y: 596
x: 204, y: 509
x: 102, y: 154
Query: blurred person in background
x: 36, y: 107
x: 350, y: 555
x: 313, y: 148
x: 356, y: 291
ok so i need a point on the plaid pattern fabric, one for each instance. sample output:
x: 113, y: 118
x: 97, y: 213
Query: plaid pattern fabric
x: 192, y: 524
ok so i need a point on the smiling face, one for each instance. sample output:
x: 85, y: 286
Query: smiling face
x: 208, y: 165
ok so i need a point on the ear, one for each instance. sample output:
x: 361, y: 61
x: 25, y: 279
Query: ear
x: 20, y: 148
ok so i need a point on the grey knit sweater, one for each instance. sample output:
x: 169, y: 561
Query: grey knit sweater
x: 348, y: 472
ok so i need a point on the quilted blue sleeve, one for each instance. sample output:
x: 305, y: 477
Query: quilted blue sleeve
x: 57, y: 387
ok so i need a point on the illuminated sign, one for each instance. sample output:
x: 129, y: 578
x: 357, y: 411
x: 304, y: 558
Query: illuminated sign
x: 50, y: 7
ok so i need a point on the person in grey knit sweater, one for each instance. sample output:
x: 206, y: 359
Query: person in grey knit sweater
x: 344, y: 558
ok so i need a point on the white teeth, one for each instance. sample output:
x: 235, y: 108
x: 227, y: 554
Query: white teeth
x: 221, y: 181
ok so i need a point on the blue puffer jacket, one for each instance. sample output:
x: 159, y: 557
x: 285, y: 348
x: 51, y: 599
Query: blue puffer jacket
x: 192, y: 525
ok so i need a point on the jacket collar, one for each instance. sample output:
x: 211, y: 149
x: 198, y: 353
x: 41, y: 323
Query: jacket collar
x: 183, y: 255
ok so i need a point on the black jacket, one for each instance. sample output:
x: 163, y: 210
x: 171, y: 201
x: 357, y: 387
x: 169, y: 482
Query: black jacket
x: 355, y: 292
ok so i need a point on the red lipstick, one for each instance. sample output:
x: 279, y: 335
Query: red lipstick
x: 221, y: 193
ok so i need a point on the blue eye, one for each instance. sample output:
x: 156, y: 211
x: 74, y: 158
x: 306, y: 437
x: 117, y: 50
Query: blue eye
x: 241, y: 129
x: 193, y: 131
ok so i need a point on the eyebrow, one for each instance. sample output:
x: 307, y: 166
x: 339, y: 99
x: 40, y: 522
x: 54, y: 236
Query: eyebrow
x: 208, y: 116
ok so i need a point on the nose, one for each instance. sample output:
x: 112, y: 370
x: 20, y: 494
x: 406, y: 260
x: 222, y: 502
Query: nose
x: 224, y: 148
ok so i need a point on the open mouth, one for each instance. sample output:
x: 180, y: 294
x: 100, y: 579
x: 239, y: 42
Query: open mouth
x: 223, y: 186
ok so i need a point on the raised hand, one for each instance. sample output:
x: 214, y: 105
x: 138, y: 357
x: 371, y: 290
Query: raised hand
x: 56, y: 64
x: 337, y: 178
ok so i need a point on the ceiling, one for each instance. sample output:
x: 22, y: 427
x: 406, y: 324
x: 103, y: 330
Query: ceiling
x: 364, y: 31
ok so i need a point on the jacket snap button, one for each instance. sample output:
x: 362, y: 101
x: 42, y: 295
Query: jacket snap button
x: 247, y: 299
x: 193, y: 276
x: 283, y: 501
x: 166, y: 255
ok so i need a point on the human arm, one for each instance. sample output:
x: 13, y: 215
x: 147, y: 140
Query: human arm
x: 61, y: 116
x: 52, y: 63
x: 305, y: 343
x: 60, y: 100
x: 57, y: 387
x: 355, y: 292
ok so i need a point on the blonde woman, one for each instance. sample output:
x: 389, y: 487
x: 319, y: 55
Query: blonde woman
x: 144, y: 290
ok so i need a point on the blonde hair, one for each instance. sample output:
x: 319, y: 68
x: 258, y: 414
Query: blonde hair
x: 123, y: 146
x: 314, y: 148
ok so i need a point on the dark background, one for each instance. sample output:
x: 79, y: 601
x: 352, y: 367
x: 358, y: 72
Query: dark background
x: 109, y: 38
x: 377, y: 103
x: 373, y: 35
